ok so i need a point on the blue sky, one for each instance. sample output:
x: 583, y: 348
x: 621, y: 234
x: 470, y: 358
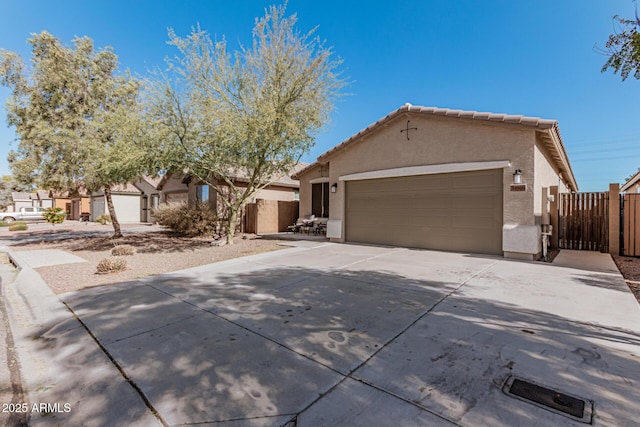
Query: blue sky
x: 534, y: 58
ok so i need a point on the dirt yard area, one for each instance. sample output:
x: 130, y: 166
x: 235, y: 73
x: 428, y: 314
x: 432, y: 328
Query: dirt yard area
x: 155, y: 253
x: 630, y: 269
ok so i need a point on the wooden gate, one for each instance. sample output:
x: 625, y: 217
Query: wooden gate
x: 630, y: 221
x: 584, y: 221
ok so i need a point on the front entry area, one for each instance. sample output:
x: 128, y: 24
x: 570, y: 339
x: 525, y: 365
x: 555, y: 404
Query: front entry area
x: 453, y: 211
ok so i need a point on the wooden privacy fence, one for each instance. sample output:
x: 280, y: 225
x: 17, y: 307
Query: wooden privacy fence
x: 584, y: 221
x: 630, y: 224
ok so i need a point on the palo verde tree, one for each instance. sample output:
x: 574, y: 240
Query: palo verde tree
x: 76, y: 120
x: 623, y: 47
x: 240, y: 121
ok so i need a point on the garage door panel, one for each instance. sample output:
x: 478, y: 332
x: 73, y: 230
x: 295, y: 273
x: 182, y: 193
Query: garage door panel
x: 458, y: 211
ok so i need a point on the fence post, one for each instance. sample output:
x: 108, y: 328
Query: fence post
x: 614, y: 219
x: 553, y: 215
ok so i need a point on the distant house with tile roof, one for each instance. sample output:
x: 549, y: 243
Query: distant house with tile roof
x: 632, y: 185
x: 22, y: 199
x: 43, y: 199
x: 127, y: 199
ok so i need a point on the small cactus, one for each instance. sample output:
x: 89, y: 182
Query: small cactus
x: 112, y: 264
x: 123, y: 250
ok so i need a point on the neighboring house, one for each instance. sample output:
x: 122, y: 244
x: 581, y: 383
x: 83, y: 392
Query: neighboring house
x: 632, y: 185
x: 150, y: 196
x: 173, y: 188
x: 275, y: 207
x: 127, y: 201
x: 43, y: 199
x: 442, y: 179
x: 22, y: 200
x: 73, y: 203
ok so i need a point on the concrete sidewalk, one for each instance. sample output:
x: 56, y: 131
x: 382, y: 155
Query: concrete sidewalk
x: 336, y: 335
x: 68, y: 379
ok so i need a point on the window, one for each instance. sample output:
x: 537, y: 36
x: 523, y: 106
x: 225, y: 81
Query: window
x: 296, y: 195
x: 202, y: 193
x: 320, y: 199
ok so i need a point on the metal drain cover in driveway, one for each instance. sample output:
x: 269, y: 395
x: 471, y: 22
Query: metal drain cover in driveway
x: 561, y: 403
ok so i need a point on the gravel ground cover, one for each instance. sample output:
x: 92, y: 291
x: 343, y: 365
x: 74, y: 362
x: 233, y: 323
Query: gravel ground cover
x: 630, y: 269
x: 155, y: 253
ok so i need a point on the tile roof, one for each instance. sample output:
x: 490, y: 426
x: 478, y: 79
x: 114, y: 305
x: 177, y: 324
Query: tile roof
x: 152, y: 180
x: 21, y: 195
x: 553, y: 140
x: 43, y: 194
x: 447, y: 112
x: 125, y: 188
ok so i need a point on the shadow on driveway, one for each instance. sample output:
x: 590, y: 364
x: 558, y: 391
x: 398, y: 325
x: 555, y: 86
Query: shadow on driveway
x: 270, y: 345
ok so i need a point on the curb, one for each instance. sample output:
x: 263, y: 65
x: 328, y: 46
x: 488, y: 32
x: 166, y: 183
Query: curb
x: 67, y: 378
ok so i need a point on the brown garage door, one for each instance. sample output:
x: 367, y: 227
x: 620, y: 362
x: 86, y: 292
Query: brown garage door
x: 455, y: 211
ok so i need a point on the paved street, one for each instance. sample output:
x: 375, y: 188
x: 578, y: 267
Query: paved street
x: 326, y: 334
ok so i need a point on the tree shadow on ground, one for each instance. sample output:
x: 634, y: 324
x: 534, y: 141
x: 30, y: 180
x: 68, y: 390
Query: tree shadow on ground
x: 261, y: 347
x: 148, y: 242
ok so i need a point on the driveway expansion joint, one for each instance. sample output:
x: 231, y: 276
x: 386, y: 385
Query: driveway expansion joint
x: 120, y: 369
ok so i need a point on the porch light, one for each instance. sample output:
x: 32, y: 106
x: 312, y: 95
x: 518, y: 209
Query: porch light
x: 334, y: 187
x: 517, y: 177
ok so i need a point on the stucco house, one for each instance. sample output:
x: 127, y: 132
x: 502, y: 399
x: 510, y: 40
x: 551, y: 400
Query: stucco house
x: 173, y: 188
x: 436, y: 178
x: 74, y: 203
x: 271, y: 209
x: 632, y: 185
x: 148, y: 185
x: 127, y: 199
x: 22, y: 200
x: 43, y: 199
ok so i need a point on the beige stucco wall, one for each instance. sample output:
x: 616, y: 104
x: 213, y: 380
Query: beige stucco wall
x: 277, y: 193
x: 635, y: 188
x: 445, y: 140
x: 175, y: 189
x: 441, y: 140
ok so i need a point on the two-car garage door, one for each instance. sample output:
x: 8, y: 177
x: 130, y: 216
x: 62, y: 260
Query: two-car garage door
x: 455, y: 211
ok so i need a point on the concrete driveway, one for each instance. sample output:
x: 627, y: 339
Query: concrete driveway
x: 348, y: 335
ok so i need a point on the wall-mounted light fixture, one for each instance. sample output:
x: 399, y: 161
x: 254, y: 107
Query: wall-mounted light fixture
x: 334, y: 187
x: 517, y: 177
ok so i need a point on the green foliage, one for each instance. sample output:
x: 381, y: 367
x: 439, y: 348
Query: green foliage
x: 8, y: 185
x: 198, y: 220
x: 123, y: 250
x: 18, y: 226
x: 4, y: 224
x: 112, y: 264
x: 103, y: 219
x: 54, y: 215
x: 75, y: 118
x: 249, y: 115
x: 623, y: 48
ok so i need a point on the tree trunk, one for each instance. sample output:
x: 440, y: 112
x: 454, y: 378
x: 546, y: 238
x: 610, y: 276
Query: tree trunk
x: 112, y: 212
x: 231, y: 224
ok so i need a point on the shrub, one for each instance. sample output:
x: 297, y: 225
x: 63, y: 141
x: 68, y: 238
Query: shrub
x: 18, y: 226
x: 4, y: 224
x: 123, y: 250
x: 198, y: 220
x: 103, y: 219
x: 54, y: 215
x: 112, y: 264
